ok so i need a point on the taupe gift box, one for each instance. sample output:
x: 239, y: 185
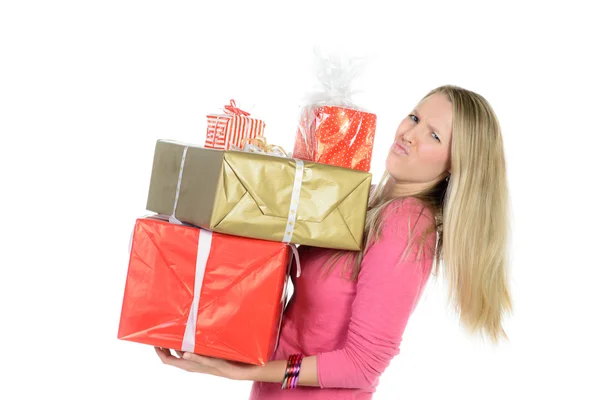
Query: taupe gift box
x: 249, y: 194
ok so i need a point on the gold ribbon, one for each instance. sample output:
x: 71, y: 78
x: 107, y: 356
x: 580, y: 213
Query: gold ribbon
x: 259, y: 145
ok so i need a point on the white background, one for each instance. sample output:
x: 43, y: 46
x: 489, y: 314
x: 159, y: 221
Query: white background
x: 87, y: 87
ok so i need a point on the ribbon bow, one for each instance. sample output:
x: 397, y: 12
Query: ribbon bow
x: 234, y: 110
x: 259, y: 145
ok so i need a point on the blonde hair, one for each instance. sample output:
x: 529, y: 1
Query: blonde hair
x: 471, y: 217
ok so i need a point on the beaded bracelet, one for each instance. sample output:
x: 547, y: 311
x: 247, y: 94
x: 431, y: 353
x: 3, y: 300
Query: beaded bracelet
x: 292, y: 372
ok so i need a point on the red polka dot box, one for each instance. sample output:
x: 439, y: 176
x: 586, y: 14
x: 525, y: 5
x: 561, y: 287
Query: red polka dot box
x: 336, y: 136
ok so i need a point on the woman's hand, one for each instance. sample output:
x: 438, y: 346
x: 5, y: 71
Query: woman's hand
x: 205, y: 365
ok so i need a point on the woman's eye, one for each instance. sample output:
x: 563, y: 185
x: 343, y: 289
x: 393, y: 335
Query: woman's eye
x: 416, y: 119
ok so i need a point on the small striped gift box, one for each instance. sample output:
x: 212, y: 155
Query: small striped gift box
x: 231, y: 128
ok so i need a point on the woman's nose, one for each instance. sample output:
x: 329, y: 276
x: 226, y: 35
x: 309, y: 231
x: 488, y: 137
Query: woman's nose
x: 409, y: 136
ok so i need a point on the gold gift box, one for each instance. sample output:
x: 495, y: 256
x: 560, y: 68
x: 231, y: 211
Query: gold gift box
x: 249, y: 194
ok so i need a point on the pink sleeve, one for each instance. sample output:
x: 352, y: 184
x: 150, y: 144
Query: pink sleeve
x: 387, y: 292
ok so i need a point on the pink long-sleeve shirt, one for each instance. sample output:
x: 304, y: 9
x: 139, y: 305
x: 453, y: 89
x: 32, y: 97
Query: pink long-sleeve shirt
x: 354, y: 327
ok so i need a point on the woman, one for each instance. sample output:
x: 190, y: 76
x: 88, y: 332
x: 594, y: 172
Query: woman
x: 443, y: 198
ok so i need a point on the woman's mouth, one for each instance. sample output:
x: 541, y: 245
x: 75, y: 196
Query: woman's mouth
x: 399, y: 149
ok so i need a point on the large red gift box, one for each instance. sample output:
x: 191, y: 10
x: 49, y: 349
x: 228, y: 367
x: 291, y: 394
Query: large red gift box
x: 336, y: 136
x: 213, y: 294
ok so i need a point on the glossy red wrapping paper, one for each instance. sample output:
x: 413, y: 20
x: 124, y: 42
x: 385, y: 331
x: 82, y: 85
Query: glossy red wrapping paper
x: 241, y: 298
x: 336, y: 136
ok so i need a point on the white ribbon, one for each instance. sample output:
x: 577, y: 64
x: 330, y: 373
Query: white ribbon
x: 172, y: 218
x: 296, y: 257
x: 189, y: 337
x: 293, y: 213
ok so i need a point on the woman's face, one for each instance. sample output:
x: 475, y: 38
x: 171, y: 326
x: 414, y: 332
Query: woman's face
x: 421, y: 150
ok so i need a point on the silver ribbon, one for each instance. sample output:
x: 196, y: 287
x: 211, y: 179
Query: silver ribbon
x: 172, y: 217
x: 293, y: 213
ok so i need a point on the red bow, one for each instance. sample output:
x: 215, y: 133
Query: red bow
x: 232, y: 108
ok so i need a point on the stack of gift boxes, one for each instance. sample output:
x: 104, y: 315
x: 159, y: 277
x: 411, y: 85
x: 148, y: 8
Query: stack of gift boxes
x: 208, y: 269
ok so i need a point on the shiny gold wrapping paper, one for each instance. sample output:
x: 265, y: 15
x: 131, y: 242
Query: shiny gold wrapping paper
x: 247, y: 194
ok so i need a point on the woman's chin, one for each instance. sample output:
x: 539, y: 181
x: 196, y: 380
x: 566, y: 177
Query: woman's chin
x: 392, y: 167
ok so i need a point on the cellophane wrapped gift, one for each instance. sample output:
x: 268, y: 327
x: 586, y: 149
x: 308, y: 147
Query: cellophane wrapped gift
x: 332, y: 129
x: 231, y: 128
x: 260, y: 196
x: 194, y: 290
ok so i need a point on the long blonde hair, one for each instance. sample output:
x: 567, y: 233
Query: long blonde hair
x: 471, y: 213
